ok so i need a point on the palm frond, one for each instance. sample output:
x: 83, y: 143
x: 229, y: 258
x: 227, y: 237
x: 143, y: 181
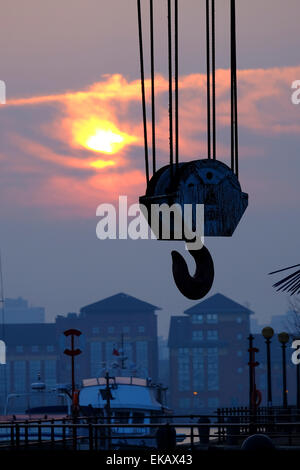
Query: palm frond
x: 290, y: 283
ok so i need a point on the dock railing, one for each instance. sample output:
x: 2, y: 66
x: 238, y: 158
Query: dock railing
x: 227, y: 427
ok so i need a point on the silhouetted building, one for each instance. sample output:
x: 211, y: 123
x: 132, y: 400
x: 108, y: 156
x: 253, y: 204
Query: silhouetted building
x: 287, y: 322
x: 18, y: 311
x: 30, y: 349
x: 163, y: 363
x: 206, y: 365
x: 107, y: 325
x: 209, y: 355
x: 255, y: 326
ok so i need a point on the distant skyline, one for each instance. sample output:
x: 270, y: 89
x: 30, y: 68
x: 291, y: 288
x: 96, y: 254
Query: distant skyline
x: 71, y: 139
x: 21, y: 310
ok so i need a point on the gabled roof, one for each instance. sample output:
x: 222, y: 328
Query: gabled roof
x: 218, y: 303
x: 119, y: 303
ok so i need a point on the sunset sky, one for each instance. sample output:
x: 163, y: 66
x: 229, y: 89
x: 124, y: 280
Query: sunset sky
x: 71, y: 139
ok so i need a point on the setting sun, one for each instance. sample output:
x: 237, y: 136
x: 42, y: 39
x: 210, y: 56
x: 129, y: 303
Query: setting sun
x: 104, y: 141
x: 100, y: 136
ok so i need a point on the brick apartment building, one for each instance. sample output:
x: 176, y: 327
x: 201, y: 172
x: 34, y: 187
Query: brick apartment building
x: 38, y: 348
x: 208, y: 351
x: 208, y: 355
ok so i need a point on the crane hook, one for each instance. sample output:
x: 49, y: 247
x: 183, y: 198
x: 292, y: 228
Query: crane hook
x: 197, y: 286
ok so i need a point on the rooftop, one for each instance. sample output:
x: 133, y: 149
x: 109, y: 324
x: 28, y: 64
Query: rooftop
x: 119, y: 303
x: 218, y: 303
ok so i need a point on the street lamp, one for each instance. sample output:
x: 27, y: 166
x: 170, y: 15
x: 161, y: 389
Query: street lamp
x: 268, y: 333
x: 284, y: 339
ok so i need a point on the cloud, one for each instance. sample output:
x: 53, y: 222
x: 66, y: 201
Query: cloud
x: 85, y: 147
x: 69, y: 197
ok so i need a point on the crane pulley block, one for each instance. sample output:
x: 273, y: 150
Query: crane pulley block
x: 208, y: 182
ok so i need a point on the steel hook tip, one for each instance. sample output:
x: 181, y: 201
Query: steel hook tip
x: 194, y: 287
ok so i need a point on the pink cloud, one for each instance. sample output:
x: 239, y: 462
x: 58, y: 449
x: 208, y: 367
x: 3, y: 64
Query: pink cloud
x: 265, y: 108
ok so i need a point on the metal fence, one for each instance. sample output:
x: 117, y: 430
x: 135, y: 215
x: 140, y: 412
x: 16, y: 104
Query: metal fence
x: 227, y: 427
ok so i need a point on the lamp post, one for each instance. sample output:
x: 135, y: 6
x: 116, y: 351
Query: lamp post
x: 268, y: 333
x: 284, y: 339
x: 250, y: 339
x: 72, y: 353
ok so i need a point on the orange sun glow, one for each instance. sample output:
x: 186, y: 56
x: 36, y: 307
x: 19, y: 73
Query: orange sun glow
x: 100, y: 136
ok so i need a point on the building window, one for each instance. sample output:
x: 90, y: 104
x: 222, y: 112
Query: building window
x: 126, y: 329
x: 240, y: 370
x: 50, y: 372
x: 95, y: 330
x: 213, y: 402
x: 239, y: 319
x: 212, y: 335
x: 4, y: 378
x: 50, y: 348
x: 128, y: 352
x: 184, y: 402
x: 183, y: 377
x: 198, y: 369
x: 19, y: 376
x: 198, y: 402
x: 212, y: 369
x: 111, y: 329
x: 183, y: 372
x: 197, y: 335
x: 19, y: 349
x: 34, y: 348
x: 198, y: 318
x: 141, y: 329
x: 95, y: 358
x: 212, y: 318
x: 142, y: 355
x: 34, y: 370
x: 109, y: 347
x: 183, y: 351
